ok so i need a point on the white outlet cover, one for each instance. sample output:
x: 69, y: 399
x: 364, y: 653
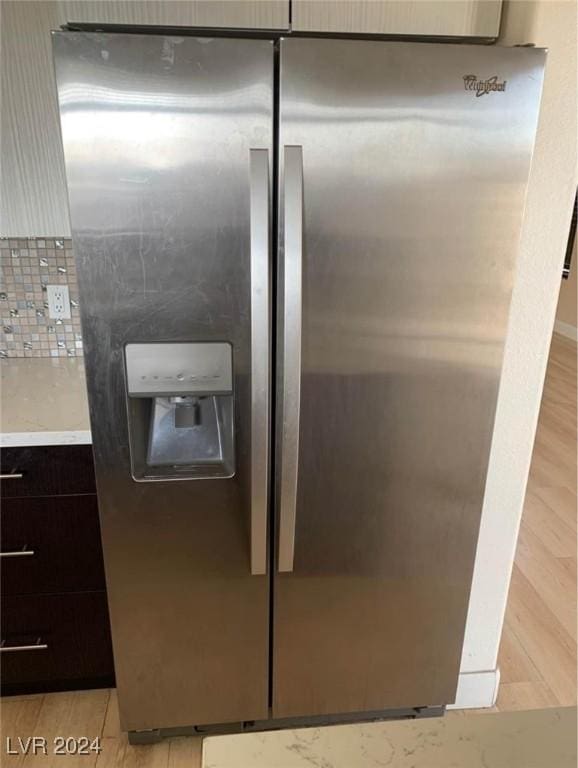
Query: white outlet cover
x: 58, y: 302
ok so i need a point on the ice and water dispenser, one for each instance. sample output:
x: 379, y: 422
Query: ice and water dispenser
x: 180, y: 410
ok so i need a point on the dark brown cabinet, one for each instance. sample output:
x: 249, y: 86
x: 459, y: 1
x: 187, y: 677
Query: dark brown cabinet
x: 51, y: 544
x: 55, y: 632
x: 72, y: 638
x: 47, y: 471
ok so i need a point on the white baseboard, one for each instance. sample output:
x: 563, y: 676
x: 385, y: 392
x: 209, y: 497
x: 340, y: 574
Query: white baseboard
x: 477, y: 690
x: 565, y: 329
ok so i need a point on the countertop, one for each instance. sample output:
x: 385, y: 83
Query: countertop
x: 543, y: 738
x: 43, y: 402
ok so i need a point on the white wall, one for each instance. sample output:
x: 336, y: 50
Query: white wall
x: 551, y: 24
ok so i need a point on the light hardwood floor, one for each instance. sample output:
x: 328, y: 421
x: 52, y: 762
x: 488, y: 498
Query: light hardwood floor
x: 538, y: 652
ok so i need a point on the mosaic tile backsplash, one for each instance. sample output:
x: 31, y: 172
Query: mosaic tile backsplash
x: 27, y: 267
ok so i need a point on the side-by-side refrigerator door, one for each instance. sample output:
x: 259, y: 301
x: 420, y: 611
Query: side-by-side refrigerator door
x: 403, y: 172
x: 168, y: 144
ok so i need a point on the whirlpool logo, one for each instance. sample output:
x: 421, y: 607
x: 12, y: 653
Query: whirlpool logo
x: 483, y: 87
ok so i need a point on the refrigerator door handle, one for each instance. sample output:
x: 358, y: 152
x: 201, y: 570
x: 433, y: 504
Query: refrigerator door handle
x: 292, y: 285
x: 260, y: 236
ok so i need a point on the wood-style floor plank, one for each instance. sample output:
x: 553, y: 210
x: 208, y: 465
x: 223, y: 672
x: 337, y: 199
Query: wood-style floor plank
x: 118, y: 753
x: 111, y: 728
x: 551, y: 648
x: 515, y: 664
x: 548, y: 527
x: 18, y: 718
x: 538, y: 651
x: 516, y: 696
x: 185, y: 752
x: 562, y: 502
x: 555, y: 584
x: 77, y: 713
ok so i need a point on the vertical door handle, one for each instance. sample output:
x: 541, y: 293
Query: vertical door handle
x: 292, y: 269
x: 260, y: 239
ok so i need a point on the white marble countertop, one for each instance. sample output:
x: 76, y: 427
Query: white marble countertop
x: 532, y: 739
x: 43, y: 402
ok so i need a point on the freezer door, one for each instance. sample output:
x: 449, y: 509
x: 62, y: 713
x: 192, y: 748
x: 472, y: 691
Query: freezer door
x: 168, y: 146
x: 403, y: 171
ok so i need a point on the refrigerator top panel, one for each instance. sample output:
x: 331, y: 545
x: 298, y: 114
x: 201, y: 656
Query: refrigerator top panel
x: 396, y: 272
x: 158, y: 134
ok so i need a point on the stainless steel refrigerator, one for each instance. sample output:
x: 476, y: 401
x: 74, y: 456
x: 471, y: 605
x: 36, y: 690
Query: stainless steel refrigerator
x: 295, y: 260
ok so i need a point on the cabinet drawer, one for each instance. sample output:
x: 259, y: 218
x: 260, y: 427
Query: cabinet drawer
x: 51, y: 544
x: 72, y: 635
x: 47, y: 470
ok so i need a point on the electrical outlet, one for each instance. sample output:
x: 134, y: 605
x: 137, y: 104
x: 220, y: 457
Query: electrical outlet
x: 58, y: 302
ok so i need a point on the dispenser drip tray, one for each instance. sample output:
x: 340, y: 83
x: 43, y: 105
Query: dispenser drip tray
x: 190, y: 436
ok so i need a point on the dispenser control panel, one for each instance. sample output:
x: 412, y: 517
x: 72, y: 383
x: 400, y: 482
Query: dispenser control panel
x: 179, y: 368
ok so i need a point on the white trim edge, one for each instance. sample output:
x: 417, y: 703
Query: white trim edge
x: 477, y: 690
x: 565, y: 329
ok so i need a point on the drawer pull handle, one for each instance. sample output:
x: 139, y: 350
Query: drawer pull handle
x: 24, y: 552
x: 12, y: 476
x: 37, y: 646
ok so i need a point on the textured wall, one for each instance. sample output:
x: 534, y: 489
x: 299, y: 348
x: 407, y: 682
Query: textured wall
x: 33, y: 197
x: 552, y: 24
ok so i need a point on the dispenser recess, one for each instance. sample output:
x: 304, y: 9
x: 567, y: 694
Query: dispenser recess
x: 180, y: 410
